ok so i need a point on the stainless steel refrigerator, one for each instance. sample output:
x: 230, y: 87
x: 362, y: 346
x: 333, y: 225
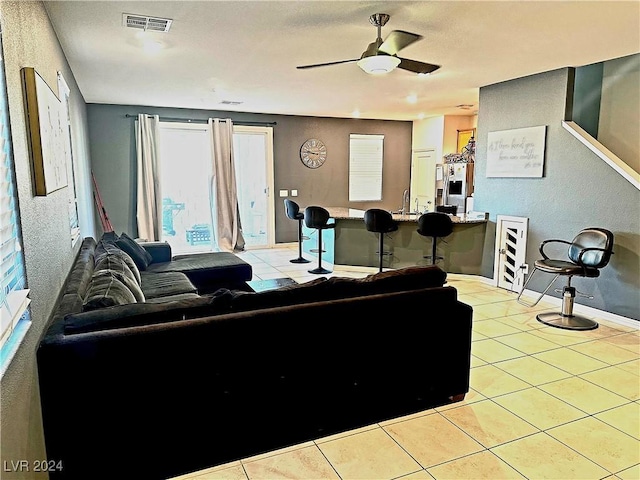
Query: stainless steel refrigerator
x: 458, y: 184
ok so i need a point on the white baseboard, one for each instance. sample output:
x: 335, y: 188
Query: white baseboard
x: 556, y: 301
x: 585, y: 310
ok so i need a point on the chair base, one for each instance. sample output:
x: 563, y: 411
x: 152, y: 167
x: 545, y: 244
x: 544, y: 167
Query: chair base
x: 300, y: 260
x: 319, y: 270
x: 438, y: 258
x: 568, y: 322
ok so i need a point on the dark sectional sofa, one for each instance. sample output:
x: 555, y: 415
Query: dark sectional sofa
x: 157, y: 389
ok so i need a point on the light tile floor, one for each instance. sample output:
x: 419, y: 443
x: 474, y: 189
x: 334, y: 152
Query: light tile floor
x: 544, y: 403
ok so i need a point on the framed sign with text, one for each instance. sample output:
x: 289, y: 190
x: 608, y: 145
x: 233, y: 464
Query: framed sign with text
x: 516, y: 153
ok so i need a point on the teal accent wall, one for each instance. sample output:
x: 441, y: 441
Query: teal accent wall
x: 587, y: 94
x: 577, y: 190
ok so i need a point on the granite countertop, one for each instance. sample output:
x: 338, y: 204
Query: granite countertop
x: 344, y: 213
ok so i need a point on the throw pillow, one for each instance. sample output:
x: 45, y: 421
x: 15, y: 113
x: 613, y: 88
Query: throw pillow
x: 135, y: 251
x: 105, y: 291
x: 103, y: 249
x: 118, y: 263
x: 125, y: 278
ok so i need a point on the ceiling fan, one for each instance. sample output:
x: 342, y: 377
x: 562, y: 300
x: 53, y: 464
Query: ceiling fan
x: 380, y: 56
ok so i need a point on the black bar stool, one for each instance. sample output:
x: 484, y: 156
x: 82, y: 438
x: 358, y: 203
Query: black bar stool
x: 435, y: 225
x: 381, y: 222
x: 293, y: 212
x: 317, y: 217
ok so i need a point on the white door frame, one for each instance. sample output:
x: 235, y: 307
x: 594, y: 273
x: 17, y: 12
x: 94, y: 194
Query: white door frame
x: 521, y: 251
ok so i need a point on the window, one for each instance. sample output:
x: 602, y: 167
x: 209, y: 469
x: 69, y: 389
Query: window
x: 187, y: 195
x: 14, y: 316
x: 365, y: 167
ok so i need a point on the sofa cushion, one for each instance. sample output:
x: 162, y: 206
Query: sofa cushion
x: 82, y: 270
x: 116, y: 263
x: 70, y: 303
x: 289, y: 295
x: 106, y: 290
x: 139, y: 314
x: 208, y: 267
x: 105, y: 248
x: 172, y: 298
x: 322, y: 289
x: 163, y: 284
x: 135, y: 251
x: 408, y: 278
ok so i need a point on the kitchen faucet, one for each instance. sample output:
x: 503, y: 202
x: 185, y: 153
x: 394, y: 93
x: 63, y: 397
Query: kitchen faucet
x: 405, y: 202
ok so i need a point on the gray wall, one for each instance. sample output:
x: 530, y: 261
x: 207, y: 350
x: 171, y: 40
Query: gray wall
x: 114, y: 162
x: 29, y: 41
x: 619, y: 118
x: 577, y: 189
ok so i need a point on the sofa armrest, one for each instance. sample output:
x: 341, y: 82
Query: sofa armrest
x: 159, y: 251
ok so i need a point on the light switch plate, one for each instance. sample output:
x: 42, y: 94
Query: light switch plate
x: 294, y: 193
x: 284, y: 193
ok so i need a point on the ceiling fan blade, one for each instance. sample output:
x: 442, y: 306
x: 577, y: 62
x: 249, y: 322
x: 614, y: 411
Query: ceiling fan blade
x: 417, y: 67
x: 302, y: 67
x: 397, y: 40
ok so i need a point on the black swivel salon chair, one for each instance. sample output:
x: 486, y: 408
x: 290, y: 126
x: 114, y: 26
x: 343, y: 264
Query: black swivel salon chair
x: 293, y: 212
x: 435, y: 225
x: 381, y: 222
x: 588, y: 252
x: 317, y: 217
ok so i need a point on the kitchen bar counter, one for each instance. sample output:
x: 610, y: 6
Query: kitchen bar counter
x: 344, y: 213
x: 354, y: 245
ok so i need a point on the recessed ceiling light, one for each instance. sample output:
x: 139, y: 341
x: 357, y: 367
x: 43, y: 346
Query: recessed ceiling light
x: 152, y: 46
x: 420, y: 116
x: 355, y: 113
x: 413, y: 98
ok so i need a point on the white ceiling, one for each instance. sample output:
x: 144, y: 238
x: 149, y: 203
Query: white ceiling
x: 247, y: 51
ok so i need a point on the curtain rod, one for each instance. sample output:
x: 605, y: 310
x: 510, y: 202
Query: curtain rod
x: 200, y: 120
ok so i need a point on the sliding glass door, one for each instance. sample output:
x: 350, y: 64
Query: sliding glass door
x: 253, y: 155
x: 185, y: 172
x: 185, y: 179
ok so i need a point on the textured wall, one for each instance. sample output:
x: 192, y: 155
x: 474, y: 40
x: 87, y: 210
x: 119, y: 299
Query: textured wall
x: 577, y: 190
x: 29, y: 41
x: 114, y: 163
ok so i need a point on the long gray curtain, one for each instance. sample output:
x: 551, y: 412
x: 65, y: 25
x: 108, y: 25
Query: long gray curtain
x: 227, y: 229
x: 149, y: 197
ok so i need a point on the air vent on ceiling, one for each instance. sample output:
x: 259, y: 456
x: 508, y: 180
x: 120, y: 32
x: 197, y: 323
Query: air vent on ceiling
x: 230, y: 102
x: 142, y: 22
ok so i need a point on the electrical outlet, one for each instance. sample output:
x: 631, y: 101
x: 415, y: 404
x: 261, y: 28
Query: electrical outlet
x: 525, y: 268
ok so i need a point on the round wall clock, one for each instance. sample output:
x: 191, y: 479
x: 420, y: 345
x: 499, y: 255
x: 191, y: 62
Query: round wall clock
x: 313, y: 153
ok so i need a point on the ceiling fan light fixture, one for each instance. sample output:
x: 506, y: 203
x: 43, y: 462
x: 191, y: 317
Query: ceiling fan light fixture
x: 378, y: 64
